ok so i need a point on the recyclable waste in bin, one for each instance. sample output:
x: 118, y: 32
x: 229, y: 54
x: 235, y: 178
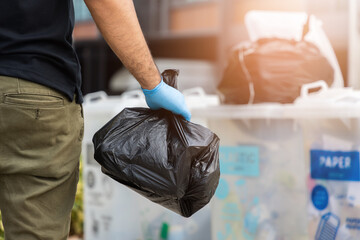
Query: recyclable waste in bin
x: 289, y: 171
x: 273, y: 70
x: 286, y: 51
x: 332, y: 150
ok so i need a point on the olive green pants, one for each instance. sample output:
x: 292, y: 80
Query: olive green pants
x: 40, y: 144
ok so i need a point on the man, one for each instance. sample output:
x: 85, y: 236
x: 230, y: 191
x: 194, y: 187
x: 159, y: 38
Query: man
x: 41, y: 123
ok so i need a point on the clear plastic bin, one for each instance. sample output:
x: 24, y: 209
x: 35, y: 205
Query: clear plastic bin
x: 262, y: 179
x: 273, y: 159
x: 113, y: 211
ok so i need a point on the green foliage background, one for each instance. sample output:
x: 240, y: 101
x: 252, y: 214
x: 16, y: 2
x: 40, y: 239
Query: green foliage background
x: 1, y: 229
x: 77, y: 214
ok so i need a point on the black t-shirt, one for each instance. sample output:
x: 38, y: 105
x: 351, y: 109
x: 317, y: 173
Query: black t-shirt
x: 36, y: 44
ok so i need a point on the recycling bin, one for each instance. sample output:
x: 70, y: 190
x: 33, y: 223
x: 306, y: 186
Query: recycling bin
x: 288, y: 171
x: 113, y: 211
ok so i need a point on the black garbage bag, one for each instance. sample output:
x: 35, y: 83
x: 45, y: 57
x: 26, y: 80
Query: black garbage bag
x: 273, y: 70
x: 163, y: 157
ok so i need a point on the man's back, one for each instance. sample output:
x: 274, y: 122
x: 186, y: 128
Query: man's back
x: 36, y: 43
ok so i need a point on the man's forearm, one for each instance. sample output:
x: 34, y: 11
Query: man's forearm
x: 119, y: 26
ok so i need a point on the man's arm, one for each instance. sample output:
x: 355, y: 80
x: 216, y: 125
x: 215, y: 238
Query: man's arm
x: 120, y: 27
x: 118, y: 23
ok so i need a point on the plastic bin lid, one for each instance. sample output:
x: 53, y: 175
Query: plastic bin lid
x: 100, y: 102
x: 326, y: 103
x: 197, y: 98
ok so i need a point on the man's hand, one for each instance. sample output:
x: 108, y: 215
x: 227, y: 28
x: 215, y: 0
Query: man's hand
x: 164, y: 96
x: 118, y: 23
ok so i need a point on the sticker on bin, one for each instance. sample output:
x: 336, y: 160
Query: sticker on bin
x: 239, y: 160
x: 335, y: 165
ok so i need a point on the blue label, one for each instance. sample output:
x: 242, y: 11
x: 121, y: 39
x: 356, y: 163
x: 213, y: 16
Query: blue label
x: 335, y: 165
x: 320, y: 197
x: 240, y: 161
x: 223, y: 189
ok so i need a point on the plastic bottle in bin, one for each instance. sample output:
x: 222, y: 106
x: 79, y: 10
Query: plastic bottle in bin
x: 160, y: 155
x: 328, y: 227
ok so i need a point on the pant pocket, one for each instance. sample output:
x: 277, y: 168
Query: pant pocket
x: 33, y: 100
x: 33, y: 130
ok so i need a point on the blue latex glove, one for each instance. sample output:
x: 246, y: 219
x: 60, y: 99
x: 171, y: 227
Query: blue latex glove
x: 167, y: 97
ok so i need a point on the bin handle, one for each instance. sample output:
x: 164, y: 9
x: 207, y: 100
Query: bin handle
x: 194, y: 91
x: 307, y: 87
x: 95, y: 96
x: 132, y: 94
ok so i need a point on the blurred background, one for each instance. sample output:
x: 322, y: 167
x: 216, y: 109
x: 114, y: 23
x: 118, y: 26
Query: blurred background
x: 270, y: 186
x: 288, y: 172
x: 204, y: 30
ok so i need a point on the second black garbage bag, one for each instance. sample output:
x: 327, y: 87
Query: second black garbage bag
x: 160, y: 155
